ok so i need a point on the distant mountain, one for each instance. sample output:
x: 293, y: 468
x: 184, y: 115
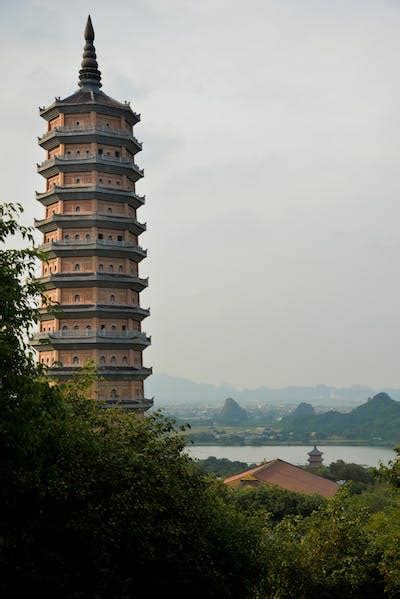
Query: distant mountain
x: 303, y: 409
x: 378, y: 418
x: 168, y: 390
x: 232, y: 413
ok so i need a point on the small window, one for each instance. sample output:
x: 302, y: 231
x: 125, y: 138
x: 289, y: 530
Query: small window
x: 100, y: 180
x: 100, y: 236
x: 68, y: 152
x: 77, y: 236
x: 77, y: 267
x: 124, y: 360
x: 107, y: 124
x: 102, y: 360
x: 109, y: 238
x: 103, y: 327
x: 112, y: 298
x: 113, y: 327
x: 100, y: 151
x: 111, y: 268
x: 109, y: 181
x: 78, y: 180
x: 109, y: 209
x: 123, y: 327
x: 120, y: 268
x: 101, y: 267
x: 77, y: 209
x: 118, y: 183
x: 108, y: 154
x: 119, y: 237
x: 116, y: 154
x: 76, y: 327
x: 78, y: 151
x: 65, y: 328
x: 77, y: 299
x: 78, y: 123
x: 66, y: 237
x: 113, y: 360
x: 75, y: 360
x: 87, y: 152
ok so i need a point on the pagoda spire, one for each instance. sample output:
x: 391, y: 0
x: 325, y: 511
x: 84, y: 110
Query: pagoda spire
x: 89, y: 74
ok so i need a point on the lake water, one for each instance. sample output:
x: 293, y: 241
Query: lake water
x: 295, y: 454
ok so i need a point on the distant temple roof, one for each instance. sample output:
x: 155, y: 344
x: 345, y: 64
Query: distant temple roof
x: 315, y: 451
x: 286, y: 476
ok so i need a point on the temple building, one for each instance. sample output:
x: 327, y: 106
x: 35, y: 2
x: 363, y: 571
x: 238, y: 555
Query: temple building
x: 91, y: 239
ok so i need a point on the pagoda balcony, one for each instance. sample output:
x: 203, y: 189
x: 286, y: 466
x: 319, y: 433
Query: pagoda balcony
x: 91, y: 338
x: 95, y: 134
x: 93, y: 279
x: 106, y: 220
x: 92, y: 246
x: 128, y: 403
x: 66, y: 311
x: 88, y: 192
x: 107, y: 164
x: 118, y: 372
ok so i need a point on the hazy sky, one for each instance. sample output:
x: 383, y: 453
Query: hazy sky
x: 271, y: 153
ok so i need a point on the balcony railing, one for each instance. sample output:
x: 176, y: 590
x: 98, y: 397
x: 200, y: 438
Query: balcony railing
x: 86, y: 158
x: 94, y: 240
x: 103, y: 333
x: 83, y: 129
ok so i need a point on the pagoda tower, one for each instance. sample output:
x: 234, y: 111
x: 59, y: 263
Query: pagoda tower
x: 90, y: 236
x: 315, y: 457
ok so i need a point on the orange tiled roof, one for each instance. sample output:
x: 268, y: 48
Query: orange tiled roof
x: 286, y: 476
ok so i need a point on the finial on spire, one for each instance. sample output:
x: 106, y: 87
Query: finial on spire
x: 89, y: 73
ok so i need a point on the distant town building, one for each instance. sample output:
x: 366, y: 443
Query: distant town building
x: 285, y: 476
x: 315, y: 458
x: 90, y: 237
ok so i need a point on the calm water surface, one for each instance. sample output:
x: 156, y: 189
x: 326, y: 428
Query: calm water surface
x: 296, y: 454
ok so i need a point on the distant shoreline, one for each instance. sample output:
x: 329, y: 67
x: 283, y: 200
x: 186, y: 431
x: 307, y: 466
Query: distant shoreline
x: 297, y: 444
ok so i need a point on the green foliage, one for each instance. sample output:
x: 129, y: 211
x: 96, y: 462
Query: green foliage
x: 222, y: 467
x: 275, y: 502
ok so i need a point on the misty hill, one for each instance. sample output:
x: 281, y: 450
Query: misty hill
x: 303, y: 409
x: 232, y: 413
x: 168, y: 390
x: 378, y: 418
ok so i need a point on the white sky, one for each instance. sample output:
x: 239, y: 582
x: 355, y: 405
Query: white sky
x: 271, y: 146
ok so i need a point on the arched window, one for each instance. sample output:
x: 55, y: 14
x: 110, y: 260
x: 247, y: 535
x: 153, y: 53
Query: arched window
x: 77, y: 236
x: 77, y: 209
x: 124, y: 360
x: 102, y: 360
x: 78, y: 180
x: 65, y: 328
x: 120, y: 268
x: 113, y: 327
x: 113, y: 393
x: 109, y: 209
x: 66, y: 236
x: 77, y: 123
x: 118, y: 183
x: 77, y: 267
x: 109, y: 238
x: 78, y: 151
x: 76, y: 327
x: 88, y: 328
x: 101, y: 267
x: 87, y: 236
x: 113, y: 360
x: 45, y: 270
x: 109, y: 181
x: 75, y: 360
x: 111, y: 268
x: 77, y: 299
x: 112, y: 298
x: 100, y: 180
